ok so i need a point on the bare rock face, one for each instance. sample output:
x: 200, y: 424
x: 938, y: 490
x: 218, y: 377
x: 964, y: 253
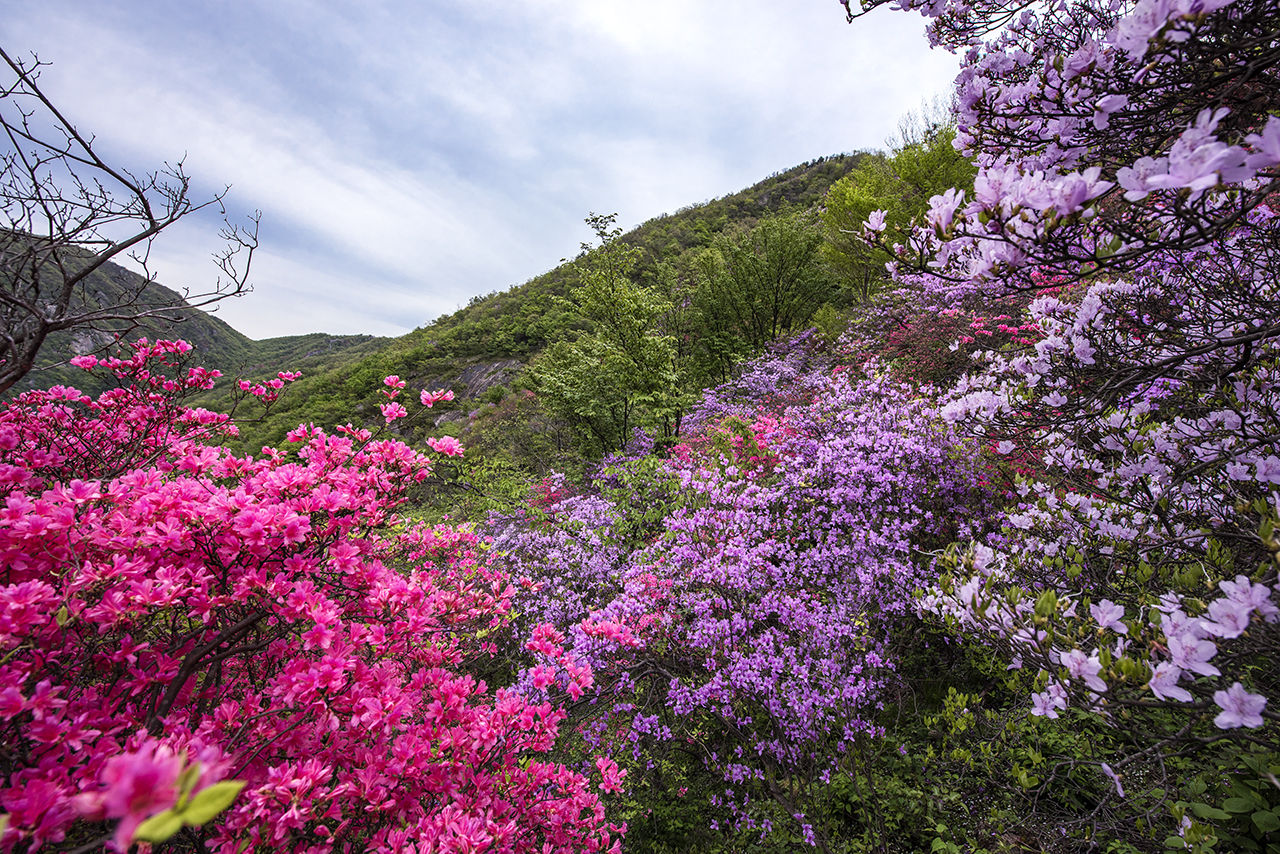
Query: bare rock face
x: 474, y: 381
x: 82, y: 341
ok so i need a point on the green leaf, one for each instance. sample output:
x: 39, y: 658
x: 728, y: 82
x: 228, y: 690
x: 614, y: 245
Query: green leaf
x: 1206, y: 811
x: 1266, y: 821
x: 187, y: 779
x: 1175, y: 843
x: 159, y: 827
x: 62, y: 617
x: 210, y: 801
x: 1238, y: 805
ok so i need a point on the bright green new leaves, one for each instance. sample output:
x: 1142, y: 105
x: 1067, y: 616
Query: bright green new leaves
x: 621, y: 373
x: 925, y: 164
x: 191, y: 810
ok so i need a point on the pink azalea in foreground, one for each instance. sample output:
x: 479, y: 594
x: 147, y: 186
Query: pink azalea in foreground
x: 431, y: 398
x: 166, y: 604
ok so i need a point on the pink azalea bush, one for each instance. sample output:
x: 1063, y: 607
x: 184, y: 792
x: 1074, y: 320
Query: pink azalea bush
x: 253, y: 651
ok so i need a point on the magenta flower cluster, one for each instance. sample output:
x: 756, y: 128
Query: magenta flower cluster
x: 174, y: 617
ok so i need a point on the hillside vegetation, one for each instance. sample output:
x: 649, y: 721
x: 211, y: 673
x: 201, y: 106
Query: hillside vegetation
x: 928, y: 503
x: 491, y: 339
x: 220, y: 346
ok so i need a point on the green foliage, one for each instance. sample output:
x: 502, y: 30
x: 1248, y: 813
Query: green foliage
x: 509, y: 328
x: 621, y: 373
x: 191, y: 810
x: 756, y: 286
x: 924, y: 164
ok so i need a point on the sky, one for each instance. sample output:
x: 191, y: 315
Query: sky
x: 407, y: 156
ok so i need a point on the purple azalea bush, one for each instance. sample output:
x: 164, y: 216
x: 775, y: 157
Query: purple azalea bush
x: 757, y: 619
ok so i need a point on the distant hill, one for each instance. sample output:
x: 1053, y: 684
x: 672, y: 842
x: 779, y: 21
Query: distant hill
x: 219, y: 345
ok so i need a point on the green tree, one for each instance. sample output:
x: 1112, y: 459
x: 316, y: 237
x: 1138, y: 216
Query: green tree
x: 758, y: 285
x: 923, y: 163
x: 621, y: 373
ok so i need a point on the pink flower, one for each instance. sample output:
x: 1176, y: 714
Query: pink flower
x: 942, y: 208
x: 138, y: 786
x: 446, y: 445
x: 612, y: 775
x: 392, y: 411
x: 86, y: 362
x: 431, y: 398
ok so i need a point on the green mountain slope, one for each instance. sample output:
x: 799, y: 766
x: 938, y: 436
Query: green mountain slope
x: 479, y: 349
x: 218, y: 344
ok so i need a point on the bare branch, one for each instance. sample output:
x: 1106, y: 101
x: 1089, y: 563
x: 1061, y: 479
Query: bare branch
x: 65, y: 213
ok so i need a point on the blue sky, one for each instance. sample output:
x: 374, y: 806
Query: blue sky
x: 409, y: 155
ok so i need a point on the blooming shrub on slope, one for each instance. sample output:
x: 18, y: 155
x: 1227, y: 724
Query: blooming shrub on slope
x: 757, y: 620
x: 251, y: 652
x: 1133, y: 148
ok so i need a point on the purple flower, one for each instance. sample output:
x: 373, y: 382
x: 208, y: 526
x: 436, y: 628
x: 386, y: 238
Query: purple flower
x: 1164, y: 683
x: 875, y: 222
x: 1083, y: 667
x: 1268, y: 469
x: 1108, y: 614
x: 1239, y: 707
x: 1256, y: 596
x: 1266, y: 145
x: 1107, y: 105
x: 942, y: 209
x: 1228, y: 618
x: 1115, y: 778
x: 1187, y: 653
x: 1047, y: 703
x: 1137, y: 179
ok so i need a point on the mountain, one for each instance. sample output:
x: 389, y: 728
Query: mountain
x: 480, y: 350
x: 217, y: 343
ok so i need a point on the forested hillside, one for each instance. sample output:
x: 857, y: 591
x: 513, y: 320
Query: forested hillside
x: 495, y: 336
x: 932, y: 504
x: 220, y: 346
